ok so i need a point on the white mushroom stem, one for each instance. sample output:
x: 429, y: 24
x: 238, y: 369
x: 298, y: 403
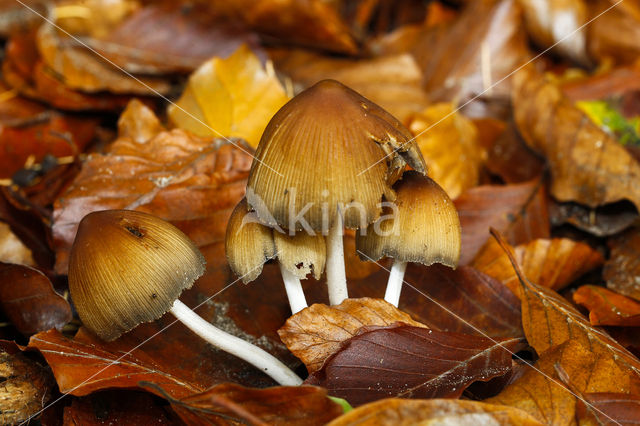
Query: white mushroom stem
x: 292, y: 286
x: 394, y: 285
x: 254, y: 355
x: 336, y: 277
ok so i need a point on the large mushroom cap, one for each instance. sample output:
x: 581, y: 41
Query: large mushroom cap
x: 328, y: 146
x: 128, y: 267
x: 248, y: 244
x: 427, y: 227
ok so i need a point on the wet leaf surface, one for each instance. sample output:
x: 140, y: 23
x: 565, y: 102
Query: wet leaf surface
x: 622, y: 269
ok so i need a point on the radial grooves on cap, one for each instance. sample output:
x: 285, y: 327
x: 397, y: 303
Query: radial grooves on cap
x: 427, y: 226
x: 128, y: 267
x: 323, y: 149
x: 248, y: 244
x: 301, y: 254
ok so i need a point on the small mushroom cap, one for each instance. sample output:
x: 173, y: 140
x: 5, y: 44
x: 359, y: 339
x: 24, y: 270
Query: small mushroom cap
x: 427, y: 227
x: 248, y: 244
x: 128, y: 267
x: 329, y: 146
x: 301, y: 254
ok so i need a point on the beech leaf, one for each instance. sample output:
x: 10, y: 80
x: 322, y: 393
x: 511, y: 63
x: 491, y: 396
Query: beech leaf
x: 607, y: 307
x: 622, y: 269
x: 316, y: 332
x: 411, y: 362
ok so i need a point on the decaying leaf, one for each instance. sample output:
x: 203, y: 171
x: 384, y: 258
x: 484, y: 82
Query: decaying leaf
x: 607, y: 307
x: 299, y: 405
x: 158, y: 176
x: 449, y: 143
x: 552, y: 263
x: 541, y: 393
x: 12, y: 250
x: 316, y: 332
x: 622, y: 270
x: 116, y: 407
x: 411, y: 362
x: 587, y: 165
x: 519, y: 211
x: 233, y: 97
x: 29, y: 301
x: 615, y: 34
x: 607, y: 408
x: 406, y: 412
x: 601, y: 221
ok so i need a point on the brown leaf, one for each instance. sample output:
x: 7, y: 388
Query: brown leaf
x: 403, y: 412
x: 607, y: 307
x: 607, y: 408
x: 449, y: 143
x: 552, y: 263
x: 294, y: 405
x: 550, y: 320
x: 587, y: 165
x: 600, y: 221
x: 232, y: 97
x: 393, y: 81
x: 29, y: 300
x: 622, y: 269
x: 318, y: 331
x: 463, y: 300
x: 518, y: 210
x: 193, y: 183
x: 116, y: 407
x: 411, y: 362
x: 543, y: 395
x: 616, y: 33
x: 12, y: 250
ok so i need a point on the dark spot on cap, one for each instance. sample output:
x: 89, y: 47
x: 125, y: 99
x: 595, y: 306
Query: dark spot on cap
x: 134, y: 230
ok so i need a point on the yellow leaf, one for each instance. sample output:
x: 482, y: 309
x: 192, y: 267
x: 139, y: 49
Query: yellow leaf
x: 233, y: 97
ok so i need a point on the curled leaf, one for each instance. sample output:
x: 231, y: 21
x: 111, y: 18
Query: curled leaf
x: 607, y: 307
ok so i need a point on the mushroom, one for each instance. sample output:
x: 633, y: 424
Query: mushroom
x: 334, y: 154
x: 423, y: 227
x: 128, y: 267
x: 249, y: 244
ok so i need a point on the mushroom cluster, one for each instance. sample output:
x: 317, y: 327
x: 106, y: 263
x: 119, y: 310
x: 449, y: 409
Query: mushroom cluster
x: 327, y: 160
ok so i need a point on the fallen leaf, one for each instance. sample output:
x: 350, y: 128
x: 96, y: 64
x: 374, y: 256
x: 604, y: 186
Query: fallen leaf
x: 138, y: 122
x: 550, y: 320
x: 411, y: 362
x: 406, y: 412
x: 601, y: 221
x: 587, y: 165
x: 518, y: 210
x: 463, y: 300
x: 233, y: 97
x: 511, y: 159
x: 616, y: 33
x: 29, y: 301
x: 622, y: 269
x: 158, y: 177
x: 612, y: 83
x: 225, y: 403
x: 552, y: 263
x: 391, y: 81
x: 449, y: 143
x: 607, y: 307
x: 543, y: 395
x: 116, y: 407
x: 318, y: 331
x: 606, y: 408
x: 11, y: 248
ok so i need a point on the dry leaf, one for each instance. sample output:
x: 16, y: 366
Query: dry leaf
x: 587, y: 165
x: 411, y: 362
x: 511, y: 159
x: 616, y: 33
x: 138, y: 122
x: 518, y: 210
x: 607, y: 307
x: 553, y: 263
x: 29, y: 301
x: 449, y: 143
x: 233, y: 97
x: 116, y: 407
x: 543, y: 395
x: 316, y: 332
x: 606, y: 408
x: 12, y: 250
x: 403, y: 412
x: 601, y: 221
x: 393, y: 81
x: 622, y: 270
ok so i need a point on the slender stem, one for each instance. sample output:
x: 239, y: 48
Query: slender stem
x: 235, y: 346
x: 336, y: 277
x: 394, y: 285
x: 295, y: 294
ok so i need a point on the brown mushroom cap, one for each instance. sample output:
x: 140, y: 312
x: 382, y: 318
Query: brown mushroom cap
x: 128, y: 267
x: 248, y: 244
x: 301, y: 254
x: 428, y: 227
x: 329, y: 145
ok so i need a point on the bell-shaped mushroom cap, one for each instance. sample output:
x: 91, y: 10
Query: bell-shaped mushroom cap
x: 248, y: 243
x: 301, y: 253
x: 328, y: 145
x: 128, y: 267
x: 425, y: 228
